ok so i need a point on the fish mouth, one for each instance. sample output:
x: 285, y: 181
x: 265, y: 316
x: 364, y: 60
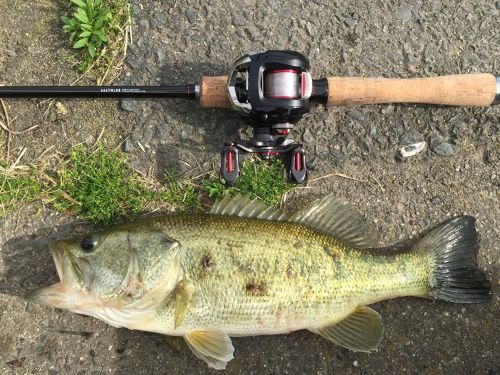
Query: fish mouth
x: 57, y: 251
x: 70, y: 276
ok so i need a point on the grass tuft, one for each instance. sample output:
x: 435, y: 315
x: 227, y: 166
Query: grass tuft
x: 99, y: 186
x: 259, y: 179
x: 17, y: 187
x: 181, y: 196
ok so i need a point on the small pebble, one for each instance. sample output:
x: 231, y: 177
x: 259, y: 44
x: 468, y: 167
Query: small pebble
x: 436, y: 200
x: 312, y: 164
x: 350, y: 22
x: 252, y: 34
x: 308, y: 136
x: 161, y: 130
x: 351, y: 146
x: 160, y: 55
x: 130, y: 105
x: 90, y: 140
x: 337, y: 156
x: 358, y: 116
x: 395, y: 56
x: 147, y: 135
x: 403, y: 14
x: 238, y: 20
x: 443, y: 148
x: 411, y: 137
x: 127, y: 145
x: 412, y: 150
x: 61, y: 109
x: 191, y: 16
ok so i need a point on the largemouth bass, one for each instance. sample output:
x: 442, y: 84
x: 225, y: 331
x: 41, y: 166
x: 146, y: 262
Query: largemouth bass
x: 247, y: 269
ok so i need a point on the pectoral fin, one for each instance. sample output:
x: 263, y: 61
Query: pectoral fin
x: 213, y: 347
x: 183, y: 299
x: 361, y: 331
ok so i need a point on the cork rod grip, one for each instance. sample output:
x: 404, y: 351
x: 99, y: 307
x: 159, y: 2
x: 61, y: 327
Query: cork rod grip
x: 213, y: 92
x: 461, y: 89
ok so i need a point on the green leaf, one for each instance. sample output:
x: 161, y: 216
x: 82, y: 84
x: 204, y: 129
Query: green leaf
x: 72, y: 36
x: 85, y: 34
x: 81, y: 43
x: 99, y: 23
x: 91, y: 49
x: 86, y: 26
x: 65, y: 20
x: 101, y: 36
x: 80, y: 3
x: 82, y: 16
x: 95, y: 39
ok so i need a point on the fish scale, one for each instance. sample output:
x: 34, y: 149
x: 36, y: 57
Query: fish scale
x: 319, y: 289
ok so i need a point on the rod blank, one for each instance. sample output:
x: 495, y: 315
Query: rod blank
x: 186, y: 91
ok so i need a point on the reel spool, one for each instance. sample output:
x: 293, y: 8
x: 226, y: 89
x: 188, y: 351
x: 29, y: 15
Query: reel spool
x: 285, y: 84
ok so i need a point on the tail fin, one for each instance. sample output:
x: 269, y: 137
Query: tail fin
x: 455, y: 276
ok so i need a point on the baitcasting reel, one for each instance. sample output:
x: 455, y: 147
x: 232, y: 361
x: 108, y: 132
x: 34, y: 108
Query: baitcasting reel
x: 272, y: 91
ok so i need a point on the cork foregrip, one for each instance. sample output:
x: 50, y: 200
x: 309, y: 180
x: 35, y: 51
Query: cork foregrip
x: 213, y: 92
x: 461, y: 89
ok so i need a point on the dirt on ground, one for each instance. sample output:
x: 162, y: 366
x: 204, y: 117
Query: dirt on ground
x: 179, y: 42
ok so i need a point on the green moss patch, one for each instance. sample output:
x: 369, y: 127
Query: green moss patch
x: 259, y: 179
x: 17, y: 187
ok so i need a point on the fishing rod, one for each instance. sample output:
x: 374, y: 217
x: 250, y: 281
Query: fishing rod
x: 273, y: 90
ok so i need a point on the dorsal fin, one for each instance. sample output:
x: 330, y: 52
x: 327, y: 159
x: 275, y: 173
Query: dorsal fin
x: 242, y: 206
x: 337, y: 218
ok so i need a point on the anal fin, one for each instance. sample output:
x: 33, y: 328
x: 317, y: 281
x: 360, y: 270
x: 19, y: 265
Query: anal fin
x: 361, y: 331
x: 213, y: 347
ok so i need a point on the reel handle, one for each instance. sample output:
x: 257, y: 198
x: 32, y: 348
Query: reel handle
x: 213, y: 93
x: 459, y: 90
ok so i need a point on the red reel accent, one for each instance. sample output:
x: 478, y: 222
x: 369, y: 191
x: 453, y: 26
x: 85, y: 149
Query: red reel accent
x: 281, y: 131
x: 230, y: 167
x: 298, y: 161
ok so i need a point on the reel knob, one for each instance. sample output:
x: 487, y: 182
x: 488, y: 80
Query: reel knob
x: 297, y: 170
x: 230, y: 164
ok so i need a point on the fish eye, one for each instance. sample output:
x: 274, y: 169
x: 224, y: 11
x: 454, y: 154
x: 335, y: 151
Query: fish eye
x: 88, y: 243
